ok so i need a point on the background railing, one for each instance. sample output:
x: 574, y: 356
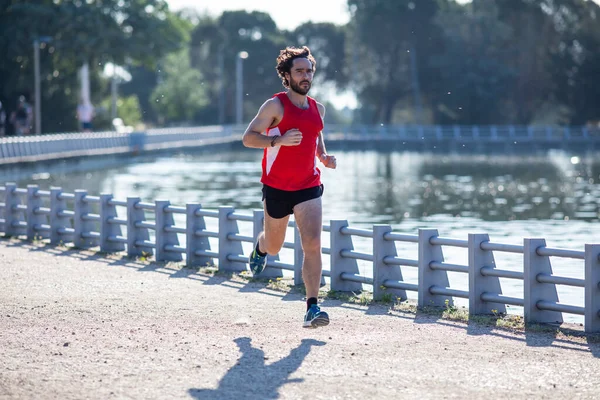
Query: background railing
x: 490, y: 133
x: 60, y: 146
x: 142, y: 228
x: 524, y: 138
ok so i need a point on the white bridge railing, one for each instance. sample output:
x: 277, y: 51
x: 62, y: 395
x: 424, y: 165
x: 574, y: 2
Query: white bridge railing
x: 66, y: 145
x: 508, y: 137
x: 466, y: 133
x: 100, y: 221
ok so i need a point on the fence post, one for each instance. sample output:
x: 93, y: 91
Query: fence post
x: 57, y: 221
x: 82, y: 208
x: 109, y: 230
x: 134, y: 233
x: 34, y: 220
x: 340, y: 264
x: 258, y: 218
x: 194, y: 243
x: 30, y: 213
x: 299, y: 257
x: 226, y: 246
x: 592, y: 288
x: 382, y: 272
x: 11, y: 215
x: 478, y: 283
x: 429, y: 277
x: 535, y: 291
x: 164, y: 236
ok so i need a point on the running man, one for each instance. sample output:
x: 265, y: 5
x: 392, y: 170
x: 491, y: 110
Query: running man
x: 289, y: 127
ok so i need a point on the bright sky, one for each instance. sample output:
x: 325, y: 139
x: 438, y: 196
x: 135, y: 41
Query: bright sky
x: 307, y: 10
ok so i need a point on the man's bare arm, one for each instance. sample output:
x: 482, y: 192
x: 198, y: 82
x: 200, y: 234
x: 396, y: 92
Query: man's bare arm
x: 327, y: 160
x: 268, y: 113
x: 321, y: 151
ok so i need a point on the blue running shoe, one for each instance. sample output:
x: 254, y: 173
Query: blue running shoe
x: 257, y: 262
x: 315, y: 317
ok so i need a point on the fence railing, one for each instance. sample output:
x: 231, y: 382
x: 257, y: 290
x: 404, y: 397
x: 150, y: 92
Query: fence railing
x: 150, y: 228
x: 59, y: 146
x: 480, y: 133
x: 66, y: 145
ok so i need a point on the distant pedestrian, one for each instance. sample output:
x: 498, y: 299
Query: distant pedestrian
x: 2, y: 120
x: 22, y: 118
x: 85, y: 114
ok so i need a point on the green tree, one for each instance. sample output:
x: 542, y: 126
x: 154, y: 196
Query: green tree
x: 128, y: 109
x: 181, y: 94
x: 388, y: 48
x: 96, y: 31
x: 144, y: 78
x: 534, y: 36
x: 470, y: 87
x: 216, y: 45
x: 327, y: 43
x: 576, y: 59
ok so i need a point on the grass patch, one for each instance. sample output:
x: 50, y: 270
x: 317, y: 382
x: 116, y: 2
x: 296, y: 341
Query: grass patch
x: 362, y: 298
x: 509, y: 322
x: 145, y: 257
x: 280, y: 284
x: 451, y: 312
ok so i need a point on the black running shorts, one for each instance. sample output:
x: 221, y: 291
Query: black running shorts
x: 280, y: 203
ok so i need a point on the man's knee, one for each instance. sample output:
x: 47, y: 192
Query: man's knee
x: 311, y: 244
x: 271, y: 248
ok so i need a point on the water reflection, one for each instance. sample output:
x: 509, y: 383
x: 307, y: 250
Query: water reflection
x: 507, y: 189
x: 368, y: 186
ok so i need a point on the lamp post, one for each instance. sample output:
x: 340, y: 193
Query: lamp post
x: 37, y: 81
x: 221, y: 66
x: 242, y: 55
x: 117, y: 75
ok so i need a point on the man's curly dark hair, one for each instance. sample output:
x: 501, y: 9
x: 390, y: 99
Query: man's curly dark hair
x: 286, y: 59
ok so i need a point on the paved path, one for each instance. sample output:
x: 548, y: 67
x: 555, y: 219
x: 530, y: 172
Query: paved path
x: 74, y: 325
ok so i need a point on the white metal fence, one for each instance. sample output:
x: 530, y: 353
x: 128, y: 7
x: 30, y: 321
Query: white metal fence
x: 489, y: 133
x: 66, y: 145
x: 123, y: 225
x: 507, y: 138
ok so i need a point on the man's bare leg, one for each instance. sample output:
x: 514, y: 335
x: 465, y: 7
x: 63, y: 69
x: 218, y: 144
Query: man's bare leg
x: 309, y: 218
x: 270, y: 241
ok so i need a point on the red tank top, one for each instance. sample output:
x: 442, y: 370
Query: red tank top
x: 294, y: 167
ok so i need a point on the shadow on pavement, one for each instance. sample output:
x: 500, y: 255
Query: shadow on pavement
x: 252, y: 378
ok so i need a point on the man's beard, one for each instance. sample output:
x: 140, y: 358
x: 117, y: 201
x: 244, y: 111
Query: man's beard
x: 299, y: 89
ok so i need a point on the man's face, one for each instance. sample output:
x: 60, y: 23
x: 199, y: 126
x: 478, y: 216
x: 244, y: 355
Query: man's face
x: 301, y: 76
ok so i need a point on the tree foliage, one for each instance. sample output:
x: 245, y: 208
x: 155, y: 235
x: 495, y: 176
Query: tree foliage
x: 180, y: 95
x: 93, y: 31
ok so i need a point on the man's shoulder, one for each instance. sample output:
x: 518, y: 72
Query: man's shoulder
x: 273, y: 103
x: 274, y: 100
x: 319, y: 104
x: 320, y: 107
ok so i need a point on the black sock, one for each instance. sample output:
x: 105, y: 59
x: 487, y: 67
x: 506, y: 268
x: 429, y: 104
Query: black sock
x: 310, y: 301
x: 260, y: 253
